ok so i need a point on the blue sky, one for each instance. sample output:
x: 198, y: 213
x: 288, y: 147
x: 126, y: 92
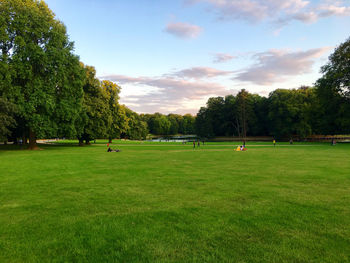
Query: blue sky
x: 171, y: 56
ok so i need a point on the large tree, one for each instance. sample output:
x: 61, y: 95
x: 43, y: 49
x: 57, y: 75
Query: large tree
x: 136, y: 129
x: 40, y: 73
x: 333, y: 90
x: 203, y: 123
x: 337, y: 70
x: 291, y: 112
x: 245, y: 113
x: 174, y: 123
x: 118, y: 119
x: 215, y: 108
x: 189, y: 124
x: 159, y: 124
x: 95, y: 118
x: 7, y: 121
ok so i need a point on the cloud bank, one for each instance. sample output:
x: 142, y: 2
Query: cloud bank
x: 276, y: 65
x: 184, y: 91
x: 170, y: 94
x: 276, y: 11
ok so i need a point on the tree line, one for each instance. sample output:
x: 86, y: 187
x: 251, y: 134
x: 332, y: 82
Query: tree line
x: 322, y: 109
x: 283, y: 114
x: 171, y: 124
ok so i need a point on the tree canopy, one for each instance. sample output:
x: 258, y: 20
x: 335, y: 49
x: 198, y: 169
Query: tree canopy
x: 171, y: 124
x: 7, y: 121
x: 333, y: 91
x: 39, y: 72
x: 285, y: 113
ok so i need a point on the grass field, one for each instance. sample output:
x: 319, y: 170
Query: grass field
x: 166, y: 202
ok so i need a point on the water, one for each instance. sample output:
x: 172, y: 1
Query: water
x: 182, y: 139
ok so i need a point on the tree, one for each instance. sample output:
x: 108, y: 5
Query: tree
x: 95, y: 118
x: 159, y: 124
x: 189, y: 122
x: 242, y: 108
x: 137, y: 129
x: 333, y: 90
x: 336, y: 73
x: 281, y: 113
x: 43, y: 79
x: 203, y: 123
x: 305, y: 101
x: 259, y: 125
x: 7, y: 120
x: 180, y: 122
x: 289, y: 112
x: 230, y: 116
x: 174, y: 123
x: 117, y: 113
x: 240, y: 114
x: 215, y: 107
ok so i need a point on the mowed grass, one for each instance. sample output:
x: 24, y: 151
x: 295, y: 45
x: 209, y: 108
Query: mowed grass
x: 170, y: 203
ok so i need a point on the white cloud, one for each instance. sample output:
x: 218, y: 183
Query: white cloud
x: 222, y: 57
x: 333, y: 10
x: 183, y: 30
x: 201, y: 72
x: 275, y: 65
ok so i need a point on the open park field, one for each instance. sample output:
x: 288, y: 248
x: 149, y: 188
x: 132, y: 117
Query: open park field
x: 167, y: 202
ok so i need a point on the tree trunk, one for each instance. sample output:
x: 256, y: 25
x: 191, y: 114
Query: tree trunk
x: 110, y: 140
x: 32, y: 141
x: 238, y: 129
x: 81, y: 141
x: 24, y: 139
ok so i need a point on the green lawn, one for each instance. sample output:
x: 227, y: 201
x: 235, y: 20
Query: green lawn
x: 166, y: 202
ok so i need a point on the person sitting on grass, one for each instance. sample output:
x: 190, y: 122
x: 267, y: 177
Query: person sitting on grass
x: 240, y: 148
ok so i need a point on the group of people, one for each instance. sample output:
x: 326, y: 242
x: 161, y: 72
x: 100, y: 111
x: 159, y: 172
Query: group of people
x: 241, y: 148
x: 198, y: 144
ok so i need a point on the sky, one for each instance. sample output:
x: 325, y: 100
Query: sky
x: 171, y: 56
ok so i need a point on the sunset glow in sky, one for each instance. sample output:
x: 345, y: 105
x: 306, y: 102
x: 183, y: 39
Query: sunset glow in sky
x: 171, y: 56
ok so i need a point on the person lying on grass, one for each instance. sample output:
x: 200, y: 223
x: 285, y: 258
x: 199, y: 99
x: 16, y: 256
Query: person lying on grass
x: 110, y: 150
